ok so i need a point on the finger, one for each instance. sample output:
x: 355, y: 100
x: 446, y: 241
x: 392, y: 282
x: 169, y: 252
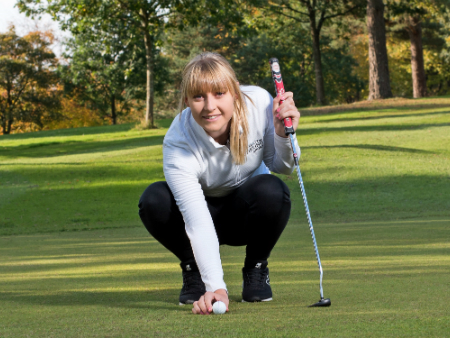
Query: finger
x: 289, y: 101
x: 288, y: 111
x: 195, y: 308
x: 277, y: 101
x: 209, y: 298
x: 292, y: 114
x: 288, y: 105
x: 202, y: 305
x: 288, y: 95
x: 222, y: 298
x: 276, y: 104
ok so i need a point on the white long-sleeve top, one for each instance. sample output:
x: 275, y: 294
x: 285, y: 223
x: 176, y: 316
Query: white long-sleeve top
x: 196, y: 166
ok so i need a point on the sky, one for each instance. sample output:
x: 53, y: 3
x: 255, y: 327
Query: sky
x: 11, y: 15
x: 7, y: 13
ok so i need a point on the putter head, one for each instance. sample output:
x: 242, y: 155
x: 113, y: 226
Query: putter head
x: 321, y: 303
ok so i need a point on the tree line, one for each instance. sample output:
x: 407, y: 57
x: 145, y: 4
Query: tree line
x: 126, y: 56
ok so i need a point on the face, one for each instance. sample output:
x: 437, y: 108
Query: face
x: 213, y: 112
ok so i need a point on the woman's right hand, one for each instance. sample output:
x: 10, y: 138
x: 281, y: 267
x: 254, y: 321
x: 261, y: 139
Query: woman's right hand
x: 204, y: 305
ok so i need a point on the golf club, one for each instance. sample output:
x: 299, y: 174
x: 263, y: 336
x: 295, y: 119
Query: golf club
x: 289, y: 130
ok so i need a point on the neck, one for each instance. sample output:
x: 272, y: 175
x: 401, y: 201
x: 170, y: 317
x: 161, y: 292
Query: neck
x: 222, y: 137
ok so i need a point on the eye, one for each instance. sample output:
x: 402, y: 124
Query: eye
x: 220, y: 93
x: 197, y: 97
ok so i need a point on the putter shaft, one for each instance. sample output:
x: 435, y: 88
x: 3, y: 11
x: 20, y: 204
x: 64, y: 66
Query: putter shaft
x: 305, y: 201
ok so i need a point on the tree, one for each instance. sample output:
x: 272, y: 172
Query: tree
x: 315, y: 13
x: 379, y: 82
x: 412, y: 17
x: 106, y: 69
x: 149, y: 18
x: 28, y: 83
x: 277, y: 36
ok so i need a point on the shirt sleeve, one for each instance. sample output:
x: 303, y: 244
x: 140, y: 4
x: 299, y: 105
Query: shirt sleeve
x: 277, y: 150
x: 182, y: 170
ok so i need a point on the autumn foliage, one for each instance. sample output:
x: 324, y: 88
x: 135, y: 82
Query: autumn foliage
x: 124, y: 59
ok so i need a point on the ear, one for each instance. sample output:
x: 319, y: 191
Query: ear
x: 186, y: 102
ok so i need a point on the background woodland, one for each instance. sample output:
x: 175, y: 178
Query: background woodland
x: 124, y: 58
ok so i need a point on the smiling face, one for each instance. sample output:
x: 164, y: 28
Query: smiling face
x: 210, y: 89
x: 213, y: 111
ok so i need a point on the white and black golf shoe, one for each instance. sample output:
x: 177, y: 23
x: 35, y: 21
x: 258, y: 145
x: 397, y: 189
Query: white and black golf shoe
x: 193, y: 286
x: 256, y: 285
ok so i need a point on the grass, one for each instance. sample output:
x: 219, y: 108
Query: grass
x: 76, y: 262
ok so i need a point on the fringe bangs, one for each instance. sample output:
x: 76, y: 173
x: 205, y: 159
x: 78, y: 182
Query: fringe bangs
x: 204, y: 78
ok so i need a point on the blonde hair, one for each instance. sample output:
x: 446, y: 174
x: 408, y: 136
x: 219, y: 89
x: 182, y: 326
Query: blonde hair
x: 211, y: 72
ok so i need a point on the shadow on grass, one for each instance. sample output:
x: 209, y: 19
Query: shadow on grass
x: 72, y: 132
x: 69, y: 173
x: 380, y: 106
x: 64, y: 204
x: 377, y: 128
x: 75, y: 206
x: 54, y: 149
x: 386, y: 116
x: 373, y: 147
x: 151, y: 299
x: 369, y: 198
x: 163, y: 123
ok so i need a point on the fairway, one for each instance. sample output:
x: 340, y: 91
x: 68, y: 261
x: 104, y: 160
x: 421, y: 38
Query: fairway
x: 75, y: 260
x: 384, y: 279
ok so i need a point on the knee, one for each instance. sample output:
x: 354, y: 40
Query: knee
x: 155, y: 201
x: 272, y: 189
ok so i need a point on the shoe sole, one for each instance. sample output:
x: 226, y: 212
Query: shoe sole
x: 255, y: 301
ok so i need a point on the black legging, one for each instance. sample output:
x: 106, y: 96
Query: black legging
x: 255, y: 214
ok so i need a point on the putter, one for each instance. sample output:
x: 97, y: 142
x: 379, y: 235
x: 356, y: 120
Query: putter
x: 289, y: 131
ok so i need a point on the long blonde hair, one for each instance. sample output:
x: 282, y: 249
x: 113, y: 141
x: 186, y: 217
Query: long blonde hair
x: 211, y: 72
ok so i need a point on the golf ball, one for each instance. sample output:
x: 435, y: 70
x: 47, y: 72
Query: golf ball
x: 219, y: 308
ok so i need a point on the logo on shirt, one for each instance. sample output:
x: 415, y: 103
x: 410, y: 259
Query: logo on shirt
x: 255, y: 146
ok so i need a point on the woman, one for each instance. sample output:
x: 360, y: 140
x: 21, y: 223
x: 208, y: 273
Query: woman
x: 211, y: 195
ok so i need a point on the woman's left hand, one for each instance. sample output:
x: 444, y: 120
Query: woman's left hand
x: 284, y: 110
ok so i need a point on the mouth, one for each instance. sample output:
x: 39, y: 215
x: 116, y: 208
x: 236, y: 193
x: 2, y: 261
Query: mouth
x: 211, y: 117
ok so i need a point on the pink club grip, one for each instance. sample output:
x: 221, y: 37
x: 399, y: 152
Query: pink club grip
x: 279, y: 89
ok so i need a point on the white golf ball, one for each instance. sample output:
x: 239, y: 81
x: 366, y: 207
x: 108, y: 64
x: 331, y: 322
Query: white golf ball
x: 219, y: 308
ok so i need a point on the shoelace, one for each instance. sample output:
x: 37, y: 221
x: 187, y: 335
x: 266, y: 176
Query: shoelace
x: 192, y: 279
x: 255, y: 277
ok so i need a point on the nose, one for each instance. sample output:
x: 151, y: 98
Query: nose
x: 210, y: 103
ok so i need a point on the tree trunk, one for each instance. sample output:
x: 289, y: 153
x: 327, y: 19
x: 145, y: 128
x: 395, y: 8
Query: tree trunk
x: 7, y: 129
x: 113, y: 110
x: 149, y: 59
x: 7, y: 124
x: 417, y: 65
x: 315, y: 35
x: 379, y: 83
x: 320, y: 90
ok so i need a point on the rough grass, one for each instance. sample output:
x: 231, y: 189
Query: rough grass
x: 76, y: 262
